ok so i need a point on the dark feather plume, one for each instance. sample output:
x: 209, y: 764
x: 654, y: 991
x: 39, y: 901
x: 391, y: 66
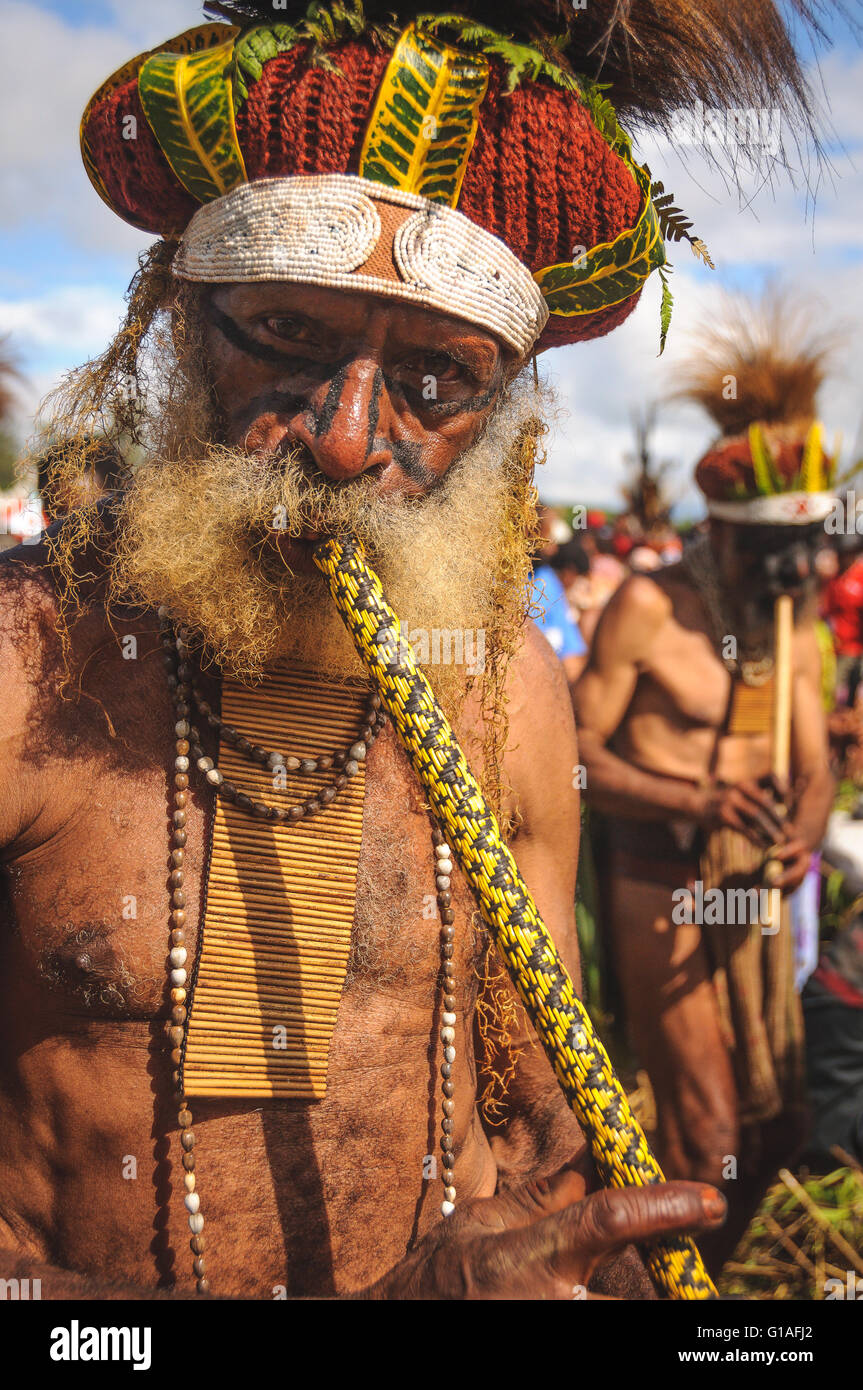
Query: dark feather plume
x: 759, y: 360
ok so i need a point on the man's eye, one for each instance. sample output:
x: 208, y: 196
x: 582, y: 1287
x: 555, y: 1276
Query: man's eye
x: 283, y: 327
x: 437, y: 364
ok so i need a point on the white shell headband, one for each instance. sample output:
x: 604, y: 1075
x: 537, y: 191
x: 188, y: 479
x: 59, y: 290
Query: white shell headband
x: 779, y: 509
x: 346, y: 232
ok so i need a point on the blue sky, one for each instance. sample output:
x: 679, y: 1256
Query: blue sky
x: 65, y: 260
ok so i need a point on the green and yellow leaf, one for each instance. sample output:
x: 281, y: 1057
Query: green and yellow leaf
x: 191, y: 41
x: 424, y: 122
x: 611, y: 272
x: 253, y: 49
x: 767, y: 479
x: 188, y: 102
x: 811, y: 468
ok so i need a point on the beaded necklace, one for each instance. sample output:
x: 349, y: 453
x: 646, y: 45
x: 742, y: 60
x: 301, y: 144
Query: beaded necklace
x: 189, y: 754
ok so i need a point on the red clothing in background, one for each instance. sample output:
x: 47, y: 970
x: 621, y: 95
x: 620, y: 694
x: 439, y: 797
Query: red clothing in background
x: 843, y: 609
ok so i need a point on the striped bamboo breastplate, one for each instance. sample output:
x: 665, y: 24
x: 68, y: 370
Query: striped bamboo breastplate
x: 751, y: 710
x: 279, y: 906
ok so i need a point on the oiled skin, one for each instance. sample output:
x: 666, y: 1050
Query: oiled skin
x: 322, y: 1197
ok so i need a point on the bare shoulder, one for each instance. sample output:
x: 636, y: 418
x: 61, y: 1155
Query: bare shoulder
x: 29, y: 662
x: 28, y: 621
x: 634, y: 615
x: 643, y: 598
x: 806, y: 649
x: 537, y: 690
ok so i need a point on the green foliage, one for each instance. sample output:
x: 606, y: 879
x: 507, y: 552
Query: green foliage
x: 666, y: 307
x: 324, y: 24
x: 675, y: 224
x: 187, y: 102
x: 604, y: 117
x: 9, y: 453
x: 524, y: 62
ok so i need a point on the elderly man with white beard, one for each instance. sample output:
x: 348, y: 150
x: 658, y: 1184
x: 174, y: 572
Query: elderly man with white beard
x: 239, y: 961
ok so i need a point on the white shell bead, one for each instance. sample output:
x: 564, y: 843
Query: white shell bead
x: 448, y: 1018
x: 447, y: 1208
x: 447, y: 1035
x: 444, y: 866
x: 181, y: 764
x: 442, y: 882
x: 178, y: 977
x: 204, y: 764
x: 178, y: 955
x: 192, y: 1201
x: 196, y: 1223
x: 214, y: 777
x: 449, y: 1054
x: 181, y: 728
x: 189, y: 1182
x: 443, y: 851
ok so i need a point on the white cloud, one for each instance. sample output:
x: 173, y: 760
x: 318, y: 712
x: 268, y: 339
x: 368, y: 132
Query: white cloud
x: 41, y: 175
x: 54, y: 332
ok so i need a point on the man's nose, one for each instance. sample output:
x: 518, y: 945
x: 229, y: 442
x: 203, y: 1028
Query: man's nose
x: 344, y: 425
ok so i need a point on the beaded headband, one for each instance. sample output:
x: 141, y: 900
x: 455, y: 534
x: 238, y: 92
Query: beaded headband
x: 334, y: 230
x: 784, y: 509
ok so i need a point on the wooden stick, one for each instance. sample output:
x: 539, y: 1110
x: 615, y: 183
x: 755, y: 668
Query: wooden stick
x: 780, y: 756
x: 806, y: 1201
x: 780, y: 750
x: 788, y: 1244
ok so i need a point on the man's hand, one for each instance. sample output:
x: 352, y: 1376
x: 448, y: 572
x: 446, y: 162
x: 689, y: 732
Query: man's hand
x: 545, y: 1240
x: 794, y: 856
x: 756, y: 809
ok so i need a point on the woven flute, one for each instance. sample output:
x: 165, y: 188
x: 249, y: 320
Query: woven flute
x: 581, y: 1064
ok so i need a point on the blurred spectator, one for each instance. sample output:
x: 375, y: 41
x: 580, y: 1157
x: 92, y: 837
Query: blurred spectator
x: 842, y: 606
x: 556, y: 620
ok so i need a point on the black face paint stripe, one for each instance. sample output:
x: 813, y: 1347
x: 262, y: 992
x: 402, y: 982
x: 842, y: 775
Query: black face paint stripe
x: 327, y: 413
x: 374, y: 409
x: 242, y: 340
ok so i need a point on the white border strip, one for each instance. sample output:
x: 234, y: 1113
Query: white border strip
x: 779, y: 509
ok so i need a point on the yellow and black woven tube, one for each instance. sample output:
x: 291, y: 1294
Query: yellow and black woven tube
x: 620, y: 1150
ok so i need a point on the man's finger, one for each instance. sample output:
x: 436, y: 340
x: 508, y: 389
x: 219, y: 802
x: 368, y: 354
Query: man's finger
x: 563, y: 1249
x: 615, y: 1217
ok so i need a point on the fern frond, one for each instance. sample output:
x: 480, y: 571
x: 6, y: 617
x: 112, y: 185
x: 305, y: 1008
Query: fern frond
x: 675, y: 225
x: 524, y: 61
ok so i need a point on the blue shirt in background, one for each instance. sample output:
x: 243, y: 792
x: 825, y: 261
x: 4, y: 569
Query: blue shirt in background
x: 555, y: 621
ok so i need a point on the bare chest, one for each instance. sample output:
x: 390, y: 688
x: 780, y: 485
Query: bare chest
x: 85, y: 945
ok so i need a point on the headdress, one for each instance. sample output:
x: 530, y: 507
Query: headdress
x: 757, y: 373
x: 467, y: 162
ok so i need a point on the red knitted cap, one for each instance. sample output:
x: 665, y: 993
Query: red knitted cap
x: 539, y: 175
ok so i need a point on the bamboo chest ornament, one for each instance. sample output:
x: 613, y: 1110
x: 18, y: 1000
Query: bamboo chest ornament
x: 279, y: 906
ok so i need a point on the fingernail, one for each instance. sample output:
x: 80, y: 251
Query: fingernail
x: 713, y: 1203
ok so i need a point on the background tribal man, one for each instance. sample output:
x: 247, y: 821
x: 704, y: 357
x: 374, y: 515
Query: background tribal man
x: 675, y: 713
x: 367, y: 227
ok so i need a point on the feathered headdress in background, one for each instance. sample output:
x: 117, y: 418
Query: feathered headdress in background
x: 471, y: 162
x: 757, y: 371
